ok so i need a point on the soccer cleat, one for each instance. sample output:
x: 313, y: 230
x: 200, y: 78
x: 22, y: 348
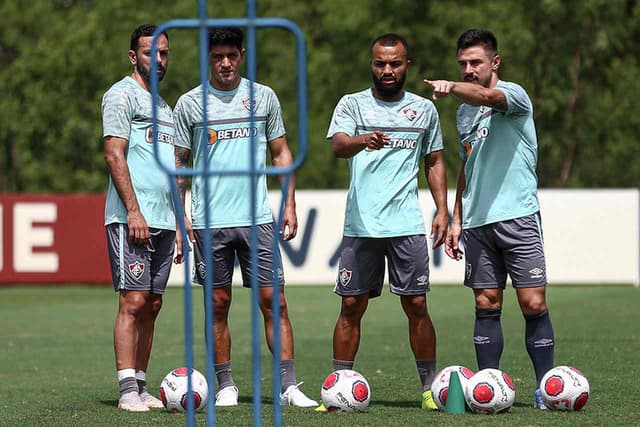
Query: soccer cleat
x: 295, y: 397
x: 427, y: 401
x: 537, y: 402
x: 321, y: 408
x: 150, y: 401
x: 131, y: 402
x: 227, y: 396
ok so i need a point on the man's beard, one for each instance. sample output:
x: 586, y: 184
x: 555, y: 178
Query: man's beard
x: 387, y: 91
x: 146, y: 72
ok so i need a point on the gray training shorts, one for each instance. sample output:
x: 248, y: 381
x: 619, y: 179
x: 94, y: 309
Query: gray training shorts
x: 362, y: 260
x: 232, y: 241
x: 513, y: 247
x: 140, y: 268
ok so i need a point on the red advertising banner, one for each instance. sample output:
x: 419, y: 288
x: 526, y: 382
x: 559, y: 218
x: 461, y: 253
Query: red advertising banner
x: 53, y: 239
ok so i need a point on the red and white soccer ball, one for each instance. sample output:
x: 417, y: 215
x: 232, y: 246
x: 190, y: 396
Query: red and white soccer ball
x: 490, y: 391
x: 345, y: 390
x: 173, y: 390
x: 440, y: 384
x: 564, y: 388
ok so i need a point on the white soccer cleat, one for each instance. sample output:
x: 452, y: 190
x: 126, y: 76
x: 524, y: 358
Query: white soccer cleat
x: 131, y: 402
x: 227, y: 396
x: 150, y: 401
x: 295, y: 397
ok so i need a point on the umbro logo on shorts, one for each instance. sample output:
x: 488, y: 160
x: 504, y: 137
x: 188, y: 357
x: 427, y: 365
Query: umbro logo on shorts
x: 136, y: 269
x: 536, y: 273
x: 422, y: 280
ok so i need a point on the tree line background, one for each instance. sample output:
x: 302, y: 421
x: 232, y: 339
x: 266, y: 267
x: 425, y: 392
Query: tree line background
x: 576, y: 58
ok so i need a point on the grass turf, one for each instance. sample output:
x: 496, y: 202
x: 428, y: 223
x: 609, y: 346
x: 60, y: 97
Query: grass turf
x: 57, y: 363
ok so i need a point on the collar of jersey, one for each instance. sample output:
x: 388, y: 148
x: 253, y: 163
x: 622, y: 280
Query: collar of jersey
x: 225, y: 92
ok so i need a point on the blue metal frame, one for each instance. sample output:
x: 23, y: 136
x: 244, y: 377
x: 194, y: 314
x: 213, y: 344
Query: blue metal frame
x: 251, y: 23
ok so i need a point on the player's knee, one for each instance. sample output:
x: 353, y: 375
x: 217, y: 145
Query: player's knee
x: 221, y: 299
x: 533, y: 307
x: 133, y: 303
x: 415, y: 307
x: 352, y: 308
x: 488, y: 301
x: 156, y: 305
x: 266, y: 306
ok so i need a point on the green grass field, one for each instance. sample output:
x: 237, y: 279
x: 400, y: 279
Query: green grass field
x: 57, y: 363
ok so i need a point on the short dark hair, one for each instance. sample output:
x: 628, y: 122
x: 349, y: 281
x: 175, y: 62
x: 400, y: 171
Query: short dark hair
x: 391, y: 39
x: 144, y: 30
x: 232, y: 36
x: 475, y: 37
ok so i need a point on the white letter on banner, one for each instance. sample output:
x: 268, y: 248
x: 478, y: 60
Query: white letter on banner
x: 26, y: 237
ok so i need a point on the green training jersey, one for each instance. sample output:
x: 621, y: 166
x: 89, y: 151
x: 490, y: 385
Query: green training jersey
x: 383, y: 193
x: 224, y: 142
x: 126, y: 114
x: 500, y: 151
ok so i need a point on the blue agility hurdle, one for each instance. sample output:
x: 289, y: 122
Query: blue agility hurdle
x: 251, y: 23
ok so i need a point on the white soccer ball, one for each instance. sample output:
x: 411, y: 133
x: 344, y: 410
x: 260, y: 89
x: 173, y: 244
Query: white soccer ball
x: 345, y: 390
x: 564, y: 388
x: 173, y: 390
x: 490, y: 391
x: 440, y: 384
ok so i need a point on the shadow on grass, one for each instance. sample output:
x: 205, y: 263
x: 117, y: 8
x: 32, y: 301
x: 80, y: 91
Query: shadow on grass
x: 396, y: 403
x: 110, y: 402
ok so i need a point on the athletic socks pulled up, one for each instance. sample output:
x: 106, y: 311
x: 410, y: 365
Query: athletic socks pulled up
x: 488, y: 338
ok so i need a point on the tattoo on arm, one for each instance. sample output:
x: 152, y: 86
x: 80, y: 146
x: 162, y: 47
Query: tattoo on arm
x: 182, y: 161
x: 501, y: 103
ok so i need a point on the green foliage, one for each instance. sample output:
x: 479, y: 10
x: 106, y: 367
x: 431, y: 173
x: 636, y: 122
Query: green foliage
x: 575, y: 58
x: 58, y: 369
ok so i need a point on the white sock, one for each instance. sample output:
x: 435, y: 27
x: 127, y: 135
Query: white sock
x: 126, y: 373
x: 141, y: 375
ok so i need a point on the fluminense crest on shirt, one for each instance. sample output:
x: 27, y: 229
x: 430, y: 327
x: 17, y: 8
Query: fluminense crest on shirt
x: 248, y: 104
x: 410, y: 114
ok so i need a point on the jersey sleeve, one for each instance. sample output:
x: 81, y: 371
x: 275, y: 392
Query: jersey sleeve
x: 343, y: 119
x: 518, y: 101
x: 433, y: 133
x: 117, y: 113
x: 184, y: 125
x: 462, y: 148
x: 275, y: 123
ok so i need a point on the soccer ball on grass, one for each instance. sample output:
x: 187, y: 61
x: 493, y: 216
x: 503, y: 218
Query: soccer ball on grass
x: 564, y: 388
x: 440, y: 384
x: 345, y: 390
x: 173, y: 390
x: 490, y: 391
